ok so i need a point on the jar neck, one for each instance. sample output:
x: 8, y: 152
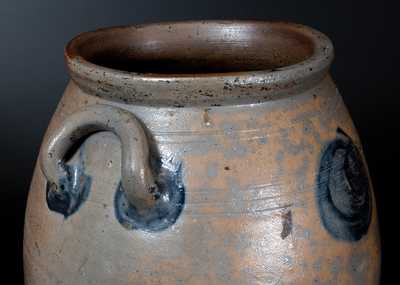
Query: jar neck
x: 253, y: 62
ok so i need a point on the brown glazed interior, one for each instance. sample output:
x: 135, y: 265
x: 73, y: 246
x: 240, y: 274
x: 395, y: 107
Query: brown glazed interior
x: 185, y: 48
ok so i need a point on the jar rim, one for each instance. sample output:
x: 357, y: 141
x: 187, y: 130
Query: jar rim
x: 305, y: 53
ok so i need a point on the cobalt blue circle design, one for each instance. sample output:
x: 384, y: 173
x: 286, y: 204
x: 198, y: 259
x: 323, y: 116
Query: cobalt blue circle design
x: 169, y: 202
x: 72, y: 193
x: 343, y: 190
x: 73, y: 189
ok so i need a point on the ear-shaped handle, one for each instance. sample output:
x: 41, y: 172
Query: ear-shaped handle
x: 137, y: 177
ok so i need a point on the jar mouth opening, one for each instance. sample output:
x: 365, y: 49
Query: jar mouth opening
x: 203, y: 53
x: 194, y: 48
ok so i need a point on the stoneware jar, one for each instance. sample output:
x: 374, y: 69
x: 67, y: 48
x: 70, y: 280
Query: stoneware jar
x: 215, y: 152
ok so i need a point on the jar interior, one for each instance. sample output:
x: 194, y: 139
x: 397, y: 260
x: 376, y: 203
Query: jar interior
x: 195, y: 48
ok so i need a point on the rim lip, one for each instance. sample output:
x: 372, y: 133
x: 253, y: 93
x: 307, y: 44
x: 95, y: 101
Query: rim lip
x: 83, y: 71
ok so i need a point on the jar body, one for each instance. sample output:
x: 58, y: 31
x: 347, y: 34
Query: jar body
x: 253, y: 211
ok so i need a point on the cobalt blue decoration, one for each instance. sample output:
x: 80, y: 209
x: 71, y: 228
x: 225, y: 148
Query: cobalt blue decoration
x: 343, y: 190
x: 169, y: 203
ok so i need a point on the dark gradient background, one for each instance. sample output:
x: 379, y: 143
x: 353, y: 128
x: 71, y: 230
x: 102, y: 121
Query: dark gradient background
x: 33, y: 77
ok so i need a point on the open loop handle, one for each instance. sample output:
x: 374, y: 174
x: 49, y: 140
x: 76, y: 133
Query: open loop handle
x: 137, y: 177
